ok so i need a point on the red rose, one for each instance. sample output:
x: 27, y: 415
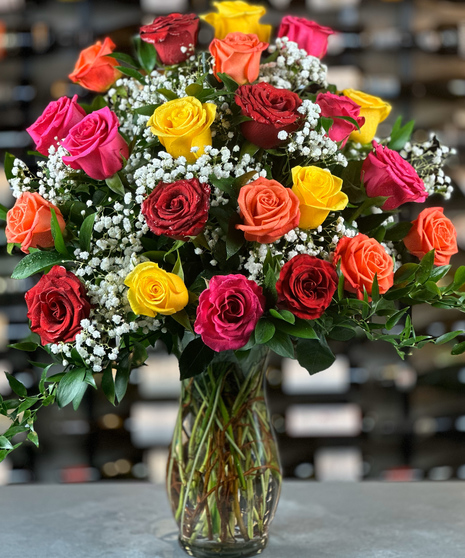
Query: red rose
x: 56, y: 306
x: 178, y: 209
x: 386, y: 173
x: 335, y: 106
x: 174, y: 36
x: 306, y: 286
x: 271, y: 110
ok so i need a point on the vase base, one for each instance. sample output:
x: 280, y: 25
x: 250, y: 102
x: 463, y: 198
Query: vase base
x: 211, y: 549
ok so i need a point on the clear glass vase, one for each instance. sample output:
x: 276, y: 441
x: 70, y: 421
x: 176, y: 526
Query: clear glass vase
x: 223, y: 476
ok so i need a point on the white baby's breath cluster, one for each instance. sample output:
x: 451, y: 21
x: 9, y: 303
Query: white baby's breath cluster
x: 293, y: 68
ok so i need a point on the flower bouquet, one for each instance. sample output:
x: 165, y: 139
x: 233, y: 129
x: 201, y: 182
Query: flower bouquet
x: 228, y: 203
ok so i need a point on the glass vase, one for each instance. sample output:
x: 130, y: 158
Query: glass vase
x: 223, y: 475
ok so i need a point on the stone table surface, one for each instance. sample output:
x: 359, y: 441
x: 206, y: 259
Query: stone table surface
x: 328, y: 520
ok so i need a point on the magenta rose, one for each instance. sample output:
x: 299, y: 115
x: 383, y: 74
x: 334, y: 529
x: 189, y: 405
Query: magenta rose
x: 335, y: 107
x: 306, y: 286
x: 228, y: 312
x: 174, y: 36
x: 271, y: 110
x: 95, y: 145
x: 178, y: 209
x: 385, y: 173
x: 56, y: 306
x: 55, y: 122
x: 310, y: 36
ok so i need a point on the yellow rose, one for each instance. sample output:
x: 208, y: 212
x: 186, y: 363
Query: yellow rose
x: 319, y: 192
x: 238, y: 17
x: 154, y: 291
x: 374, y: 109
x: 182, y: 124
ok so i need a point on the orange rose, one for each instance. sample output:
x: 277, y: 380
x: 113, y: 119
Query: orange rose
x: 94, y: 70
x: 432, y: 230
x: 362, y: 258
x: 28, y: 222
x: 237, y: 55
x: 268, y: 209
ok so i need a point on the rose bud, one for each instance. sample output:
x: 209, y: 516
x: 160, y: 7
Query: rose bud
x: 95, y: 146
x: 179, y: 209
x: 56, y: 306
x: 306, y: 286
x: 228, y: 312
x: 174, y: 36
x: 386, y: 173
x: 55, y: 122
x: 432, y: 230
x: 362, y: 258
x: 335, y: 106
x: 310, y: 36
x: 271, y: 109
x: 237, y: 55
x: 95, y: 70
x: 28, y: 222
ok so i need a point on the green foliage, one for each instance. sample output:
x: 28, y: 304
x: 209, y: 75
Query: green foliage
x: 314, y: 354
x: 195, y: 359
x: 131, y: 72
x: 400, y: 135
x: 36, y: 262
x: 115, y: 184
x: 85, y: 232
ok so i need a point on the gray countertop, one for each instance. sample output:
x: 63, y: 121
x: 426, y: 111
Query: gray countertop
x: 329, y: 520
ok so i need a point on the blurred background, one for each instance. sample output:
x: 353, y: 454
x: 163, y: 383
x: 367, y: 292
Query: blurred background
x: 371, y: 416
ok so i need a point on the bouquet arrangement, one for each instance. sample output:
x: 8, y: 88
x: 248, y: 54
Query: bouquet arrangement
x: 221, y: 202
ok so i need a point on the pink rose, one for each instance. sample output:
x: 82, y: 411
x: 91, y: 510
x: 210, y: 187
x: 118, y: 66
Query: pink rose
x: 95, y: 146
x: 335, y: 106
x: 307, y: 34
x: 228, y: 312
x: 385, y: 173
x: 55, y: 122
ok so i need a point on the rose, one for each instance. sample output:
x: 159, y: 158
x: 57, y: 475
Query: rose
x: 432, y: 230
x: 306, y: 286
x: 55, y: 122
x: 335, y: 107
x: 179, y: 209
x: 373, y: 109
x: 228, y: 312
x: 386, y: 173
x: 237, y: 55
x: 271, y: 110
x: 361, y: 259
x: 95, y: 146
x: 173, y: 36
x: 95, y: 70
x: 57, y: 305
x: 28, y: 222
x: 153, y: 291
x: 307, y: 34
x: 268, y: 210
x: 238, y: 17
x: 183, y: 124
x: 319, y: 192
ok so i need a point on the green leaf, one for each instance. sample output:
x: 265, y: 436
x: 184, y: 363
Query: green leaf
x: 79, y: 395
x: 439, y: 272
x: 459, y: 278
x: 5, y: 443
x: 124, y: 58
x: 281, y: 344
x: 33, y: 437
x: 375, y: 289
x: 394, y: 319
x: 264, y: 331
x: 177, y: 269
x: 16, y: 385
x: 349, y: 119
x: 36, y: 262
x: 27, y: 346
x: 235, y: 237
x: 85, y: 232
x: 90, y: 380
x: 283, y: 315
x: 228, y: 82
x: 448, y: 337
x: 115, y: 184
x: 123, y: 372
x: 170, y: 95
x: 248, y: 148
x: 400, y: 134
x: 3, y: 212
x: 108, y: 384
x: 314, y: 354
x: 425, y: 267
x: 398, y: 231
x: 132, y: 73
x: 405, y: 272
x: 326, y: 123
x: 458, y: 349
x: 70, y: 386
x: 182, y: 317
x: 8, y: 165
x: 147, y: 54
x: 60, y: 245
x: 195, y: 359
x: 301, y: 329
x: 147, y: 110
